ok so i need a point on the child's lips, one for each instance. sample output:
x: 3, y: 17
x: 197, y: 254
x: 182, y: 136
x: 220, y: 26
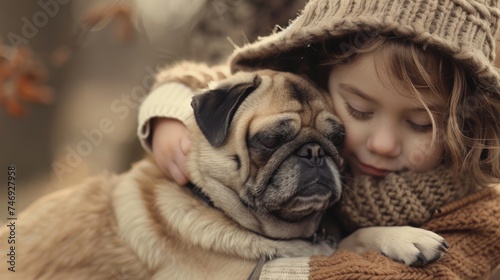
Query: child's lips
x: 371, y: 170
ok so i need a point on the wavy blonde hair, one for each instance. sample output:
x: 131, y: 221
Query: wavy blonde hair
x: 471, y: 126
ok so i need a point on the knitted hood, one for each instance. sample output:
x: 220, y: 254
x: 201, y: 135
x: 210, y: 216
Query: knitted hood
x: 462, y: 29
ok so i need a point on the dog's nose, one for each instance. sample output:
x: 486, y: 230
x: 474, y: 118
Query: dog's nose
x: 312, y: 153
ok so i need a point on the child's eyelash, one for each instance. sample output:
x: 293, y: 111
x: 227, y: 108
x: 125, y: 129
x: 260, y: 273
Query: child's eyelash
x: 364, y: 116
x: 357, y: 114
x: 420, y: 128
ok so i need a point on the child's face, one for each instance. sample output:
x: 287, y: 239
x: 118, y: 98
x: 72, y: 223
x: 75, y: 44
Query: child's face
x: 387, y: 128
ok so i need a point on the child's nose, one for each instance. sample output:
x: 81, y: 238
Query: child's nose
x: 384, y: 141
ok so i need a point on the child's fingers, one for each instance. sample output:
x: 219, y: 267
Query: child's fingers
x: 184, y: 169
x: 185, y: 144
x: 181, y: 158
x: 181, y: 163
x: 165, y: 171
x: 177, y: 174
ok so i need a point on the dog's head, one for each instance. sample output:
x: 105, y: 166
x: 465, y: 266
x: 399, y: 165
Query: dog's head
x: 265, y: 151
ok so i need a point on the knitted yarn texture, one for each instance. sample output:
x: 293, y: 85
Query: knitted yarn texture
x: 462, y: 29
x: 472, y: 229
x: 403, y: 198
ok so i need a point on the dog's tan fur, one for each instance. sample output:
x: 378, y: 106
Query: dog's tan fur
x: 113, y: 227
x: 139, y: 225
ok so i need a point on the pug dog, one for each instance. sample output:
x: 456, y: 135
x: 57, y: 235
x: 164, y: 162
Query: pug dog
x: 264, y: 166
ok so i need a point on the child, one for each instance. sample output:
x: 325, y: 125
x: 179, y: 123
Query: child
x: 414, y: 83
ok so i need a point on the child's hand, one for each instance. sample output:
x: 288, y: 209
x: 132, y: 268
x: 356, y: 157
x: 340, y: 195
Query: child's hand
x: 170, y: 145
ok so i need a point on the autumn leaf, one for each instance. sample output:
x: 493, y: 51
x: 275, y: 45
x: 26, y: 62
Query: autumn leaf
x: 23, y: 77
x: 31, y: 90
x: 14, y: 107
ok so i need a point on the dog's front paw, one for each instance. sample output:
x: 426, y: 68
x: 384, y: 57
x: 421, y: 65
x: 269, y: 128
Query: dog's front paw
x: 412, y: 246
x: 325, y: 247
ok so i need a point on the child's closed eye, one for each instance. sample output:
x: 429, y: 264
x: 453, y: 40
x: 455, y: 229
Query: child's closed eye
x: 419, y: 127
x: 357, y: 114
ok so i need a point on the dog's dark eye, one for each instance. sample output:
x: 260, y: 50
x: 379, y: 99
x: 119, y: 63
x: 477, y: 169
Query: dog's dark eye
x: 337, y: 133
x: 338, y: 139
x: 270, y: 141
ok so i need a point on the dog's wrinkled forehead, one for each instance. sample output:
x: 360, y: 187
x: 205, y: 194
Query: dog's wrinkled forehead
x: 297, y: 90
x: 285, y: 92
x: 273, y: 92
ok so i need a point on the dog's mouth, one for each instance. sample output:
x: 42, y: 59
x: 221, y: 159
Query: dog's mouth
x: 318, y: 187
x: 313, y: 198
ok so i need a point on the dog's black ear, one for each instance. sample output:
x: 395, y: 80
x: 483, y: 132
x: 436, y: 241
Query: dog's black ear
x: 214, y: 109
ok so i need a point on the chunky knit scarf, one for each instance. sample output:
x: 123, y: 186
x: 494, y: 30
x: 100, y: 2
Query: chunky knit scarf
x: 403, y: 198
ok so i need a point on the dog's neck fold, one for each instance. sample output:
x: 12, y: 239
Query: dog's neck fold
x: 200, y: 194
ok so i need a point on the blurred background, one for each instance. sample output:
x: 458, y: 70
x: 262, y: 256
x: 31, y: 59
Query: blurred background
x: 95, y: 60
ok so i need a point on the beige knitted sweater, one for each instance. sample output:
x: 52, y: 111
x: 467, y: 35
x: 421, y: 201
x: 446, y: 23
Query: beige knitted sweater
x: 471, y: 224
